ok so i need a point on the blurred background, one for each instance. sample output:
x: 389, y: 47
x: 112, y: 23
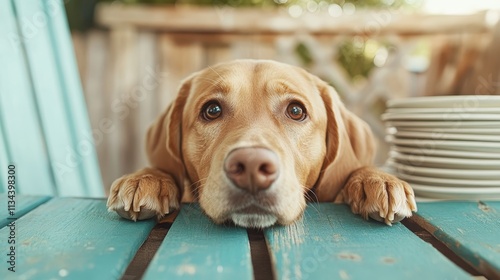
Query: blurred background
x: 132, y: 54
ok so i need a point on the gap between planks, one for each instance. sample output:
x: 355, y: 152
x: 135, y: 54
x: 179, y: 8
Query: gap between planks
x: 426, y: 236
x: 144, y: 255
x: 261, y: 259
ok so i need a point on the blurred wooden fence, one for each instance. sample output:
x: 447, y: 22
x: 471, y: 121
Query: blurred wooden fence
x: 132, y: 66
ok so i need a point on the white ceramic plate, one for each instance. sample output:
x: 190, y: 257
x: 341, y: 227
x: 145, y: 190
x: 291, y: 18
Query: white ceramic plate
x: 484, y: 131
x: 492, y: 110
x: 446, y: 136
x: 440, y: 117
x: 470, y: 146
x: 457, y: 101
x: 456, y: 193
x: 445, y: 173
x: 445, y: 153
x: 445, y: 124
x: 442, y: 162
x: 452, y: 183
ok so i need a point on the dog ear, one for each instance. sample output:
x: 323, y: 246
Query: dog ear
x: 164, y: 137
x: 349, y: 144
x: 334, y: 121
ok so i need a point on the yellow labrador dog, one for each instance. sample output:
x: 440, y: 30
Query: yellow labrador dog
x: 251, y: 140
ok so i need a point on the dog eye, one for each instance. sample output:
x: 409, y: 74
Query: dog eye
x: 212, y: 111
x: 296, y: 111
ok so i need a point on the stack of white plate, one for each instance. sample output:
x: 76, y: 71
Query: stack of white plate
x: 446, y: 147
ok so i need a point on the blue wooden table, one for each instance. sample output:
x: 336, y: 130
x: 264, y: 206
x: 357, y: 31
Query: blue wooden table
x: 72, y: 238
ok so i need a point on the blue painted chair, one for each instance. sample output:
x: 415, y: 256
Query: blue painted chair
x: 44, y: 126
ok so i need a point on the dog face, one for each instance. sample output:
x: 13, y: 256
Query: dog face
x: 253, y: 141
x: 250, y: 140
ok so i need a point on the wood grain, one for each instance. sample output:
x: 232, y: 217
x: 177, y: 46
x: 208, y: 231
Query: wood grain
x: 76, y: 239
x: 470, y: 229
x: 333, y: 243
x: 146, y: 252
x: 24, y: 204
x: 238, y: 20
x: 196, y: 248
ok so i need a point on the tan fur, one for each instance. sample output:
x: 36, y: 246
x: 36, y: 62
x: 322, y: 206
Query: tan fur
x: 328, y: 155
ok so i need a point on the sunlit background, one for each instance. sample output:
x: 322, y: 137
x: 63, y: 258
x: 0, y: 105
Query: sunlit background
x: 370, y: 51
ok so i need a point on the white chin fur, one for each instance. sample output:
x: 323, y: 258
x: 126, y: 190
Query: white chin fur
x: 253, y: 220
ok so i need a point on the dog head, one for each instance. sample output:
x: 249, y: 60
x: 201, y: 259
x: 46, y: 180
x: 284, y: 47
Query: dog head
x: 249, y: 139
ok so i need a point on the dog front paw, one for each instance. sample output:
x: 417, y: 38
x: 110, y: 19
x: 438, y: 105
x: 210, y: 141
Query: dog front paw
x: 381, y: 196
x: 143, y: 195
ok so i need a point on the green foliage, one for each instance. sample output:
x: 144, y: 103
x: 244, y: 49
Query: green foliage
x: 355, y: 59
x: 304, y: 54
x: 80, y: 13
x: 353, y: 54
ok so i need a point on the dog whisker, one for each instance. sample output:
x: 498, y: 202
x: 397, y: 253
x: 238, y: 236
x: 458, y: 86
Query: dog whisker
x: 212, y: 82
x: 308, y: 193
x: 211, y: 68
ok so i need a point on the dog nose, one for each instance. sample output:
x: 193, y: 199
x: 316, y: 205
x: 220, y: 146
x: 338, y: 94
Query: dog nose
x: 252, y: 169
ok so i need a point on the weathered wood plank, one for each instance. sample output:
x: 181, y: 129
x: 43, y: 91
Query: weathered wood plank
x: 96, y: 88
x: 196, y: 248
x: 470, y: 229
x: 237, y: 20
x: 124, y: 77
x: 74, y: 238
x: 145, y: 94
x: 180, y: 58
x: 331, y: 242
x: 24, y: 204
